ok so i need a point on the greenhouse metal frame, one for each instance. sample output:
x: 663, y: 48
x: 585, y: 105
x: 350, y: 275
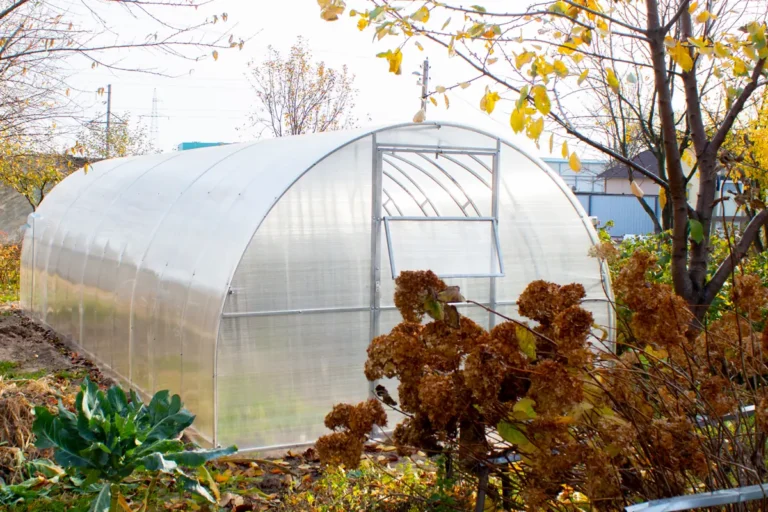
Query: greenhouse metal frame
x: 250, y: 278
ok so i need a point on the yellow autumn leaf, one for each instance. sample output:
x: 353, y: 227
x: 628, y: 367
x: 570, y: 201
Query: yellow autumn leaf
x: 662, y: 198
x: 561, y: 69
x: 395, y: 59
x: 564, y: 152
x: 535, y: 128
x: 362, y: 24
x: 574, y: 162
x: 464, y: 85
x: 582, y: 77
x: 704, y: 16
x: 517, y: 121
x: 418, y: 45
x: 749, y: 51
x: 541, y: 99
x: 551, y: 143
x: 681, y: 56
x: 440, y: 89
x: 602, y: 27
x: 613, y: 81
x: 215, y: 55
x: 433, y: 100
x: 447, y: 101
x: 421, y: 15
x: 692, y: 8
x: 636, y: 190
x: 721, y: 50
x: 331, y: 9
x: 523, y: 59
x: 739, y: 67
x: 420, y: 116
x: 689, y: 157
x: 488, y: 101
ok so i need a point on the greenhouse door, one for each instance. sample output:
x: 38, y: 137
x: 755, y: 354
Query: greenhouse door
x: 434, y: 208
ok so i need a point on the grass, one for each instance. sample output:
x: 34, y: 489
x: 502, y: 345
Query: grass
x: 10, y: 370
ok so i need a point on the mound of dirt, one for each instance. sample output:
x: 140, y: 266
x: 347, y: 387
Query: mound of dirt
x: 31, y: 346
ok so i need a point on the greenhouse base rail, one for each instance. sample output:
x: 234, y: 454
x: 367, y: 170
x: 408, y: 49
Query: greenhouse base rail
x: 704, y: 499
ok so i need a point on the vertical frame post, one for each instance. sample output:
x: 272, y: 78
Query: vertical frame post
x: 33, y: 269
x: 496, y: 254
x: 376, y: 221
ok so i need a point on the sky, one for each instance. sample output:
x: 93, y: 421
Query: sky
x: 210, y: 100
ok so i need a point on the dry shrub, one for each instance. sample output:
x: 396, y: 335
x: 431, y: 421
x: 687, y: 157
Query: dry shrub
x: 660, y: 416
x: 352, y: 424
x: 17, y: 400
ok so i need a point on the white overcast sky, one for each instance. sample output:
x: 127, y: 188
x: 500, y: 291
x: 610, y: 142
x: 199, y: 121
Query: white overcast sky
x: 212, y: 102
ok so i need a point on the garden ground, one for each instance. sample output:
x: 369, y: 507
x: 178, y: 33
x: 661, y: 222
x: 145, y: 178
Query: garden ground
x: 37, y: 368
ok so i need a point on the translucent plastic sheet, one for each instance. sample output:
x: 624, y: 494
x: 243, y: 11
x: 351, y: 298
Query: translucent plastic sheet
x: 241, y: 276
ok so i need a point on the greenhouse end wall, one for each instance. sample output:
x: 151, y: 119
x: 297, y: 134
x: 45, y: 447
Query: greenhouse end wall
x: 250, y: 278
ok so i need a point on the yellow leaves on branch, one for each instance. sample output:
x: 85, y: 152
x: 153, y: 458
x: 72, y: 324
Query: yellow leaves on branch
x: 523, y: 59
x: 420, y: 116
x: 422, y: 15
x: 680, y: 54
x: 535, y: 128
x: 541, y: 99
x: 395, y: 59
x: 613, y: 80
x: 488, y: 101
x: 561, y: 69
x: 517, y: 120
x: 330, y: 10
x: 574, y: 162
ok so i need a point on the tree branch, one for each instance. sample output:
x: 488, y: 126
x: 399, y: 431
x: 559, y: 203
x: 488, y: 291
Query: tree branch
x: 728, y: 265
x: 736, y: 108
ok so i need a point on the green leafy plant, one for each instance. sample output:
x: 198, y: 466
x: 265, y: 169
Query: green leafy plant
x: 109, y: 437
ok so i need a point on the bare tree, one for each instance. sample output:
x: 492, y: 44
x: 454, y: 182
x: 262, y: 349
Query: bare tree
x: 295, y: 95
x: 43, y: 42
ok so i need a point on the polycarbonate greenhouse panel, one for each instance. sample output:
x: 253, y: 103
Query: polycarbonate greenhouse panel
x: 250, y: 278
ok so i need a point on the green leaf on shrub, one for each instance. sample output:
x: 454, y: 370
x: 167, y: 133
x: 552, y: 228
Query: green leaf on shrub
x: 697, y: 230
x: 52, y: 433
x: 434, y: 308
x: 523, y: 409
x: 102, y: 501
x: 195, y: 458
x: 527, y: 342
x: 156, y: 462
x: 512, y: 434
x: 193, y: 485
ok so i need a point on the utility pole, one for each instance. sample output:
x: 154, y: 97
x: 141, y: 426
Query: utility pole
x: 109, y: 115
x: 154, y: 130
x: 425, y: 85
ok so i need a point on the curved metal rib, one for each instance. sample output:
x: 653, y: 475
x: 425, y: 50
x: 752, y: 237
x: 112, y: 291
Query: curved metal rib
x: 453, y: 180
x: 390, y: 200
x: 419, y: 168
x: 420, y: 205
x: 474, y: 157
x: 418, y: 187
x: 468, y: 169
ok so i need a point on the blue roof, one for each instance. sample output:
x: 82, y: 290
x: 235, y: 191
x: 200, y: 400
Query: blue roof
x: 195, y: 145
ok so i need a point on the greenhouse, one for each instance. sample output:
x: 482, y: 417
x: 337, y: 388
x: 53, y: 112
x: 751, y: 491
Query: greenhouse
x: 250, y: 278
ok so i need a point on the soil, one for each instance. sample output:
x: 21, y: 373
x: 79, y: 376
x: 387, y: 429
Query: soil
x: 33, y: 348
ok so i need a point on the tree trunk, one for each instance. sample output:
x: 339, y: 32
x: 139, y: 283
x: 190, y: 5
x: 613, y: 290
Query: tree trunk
x: 677, y: 185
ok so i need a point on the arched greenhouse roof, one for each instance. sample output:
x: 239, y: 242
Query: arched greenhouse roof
x: 192, y: 270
